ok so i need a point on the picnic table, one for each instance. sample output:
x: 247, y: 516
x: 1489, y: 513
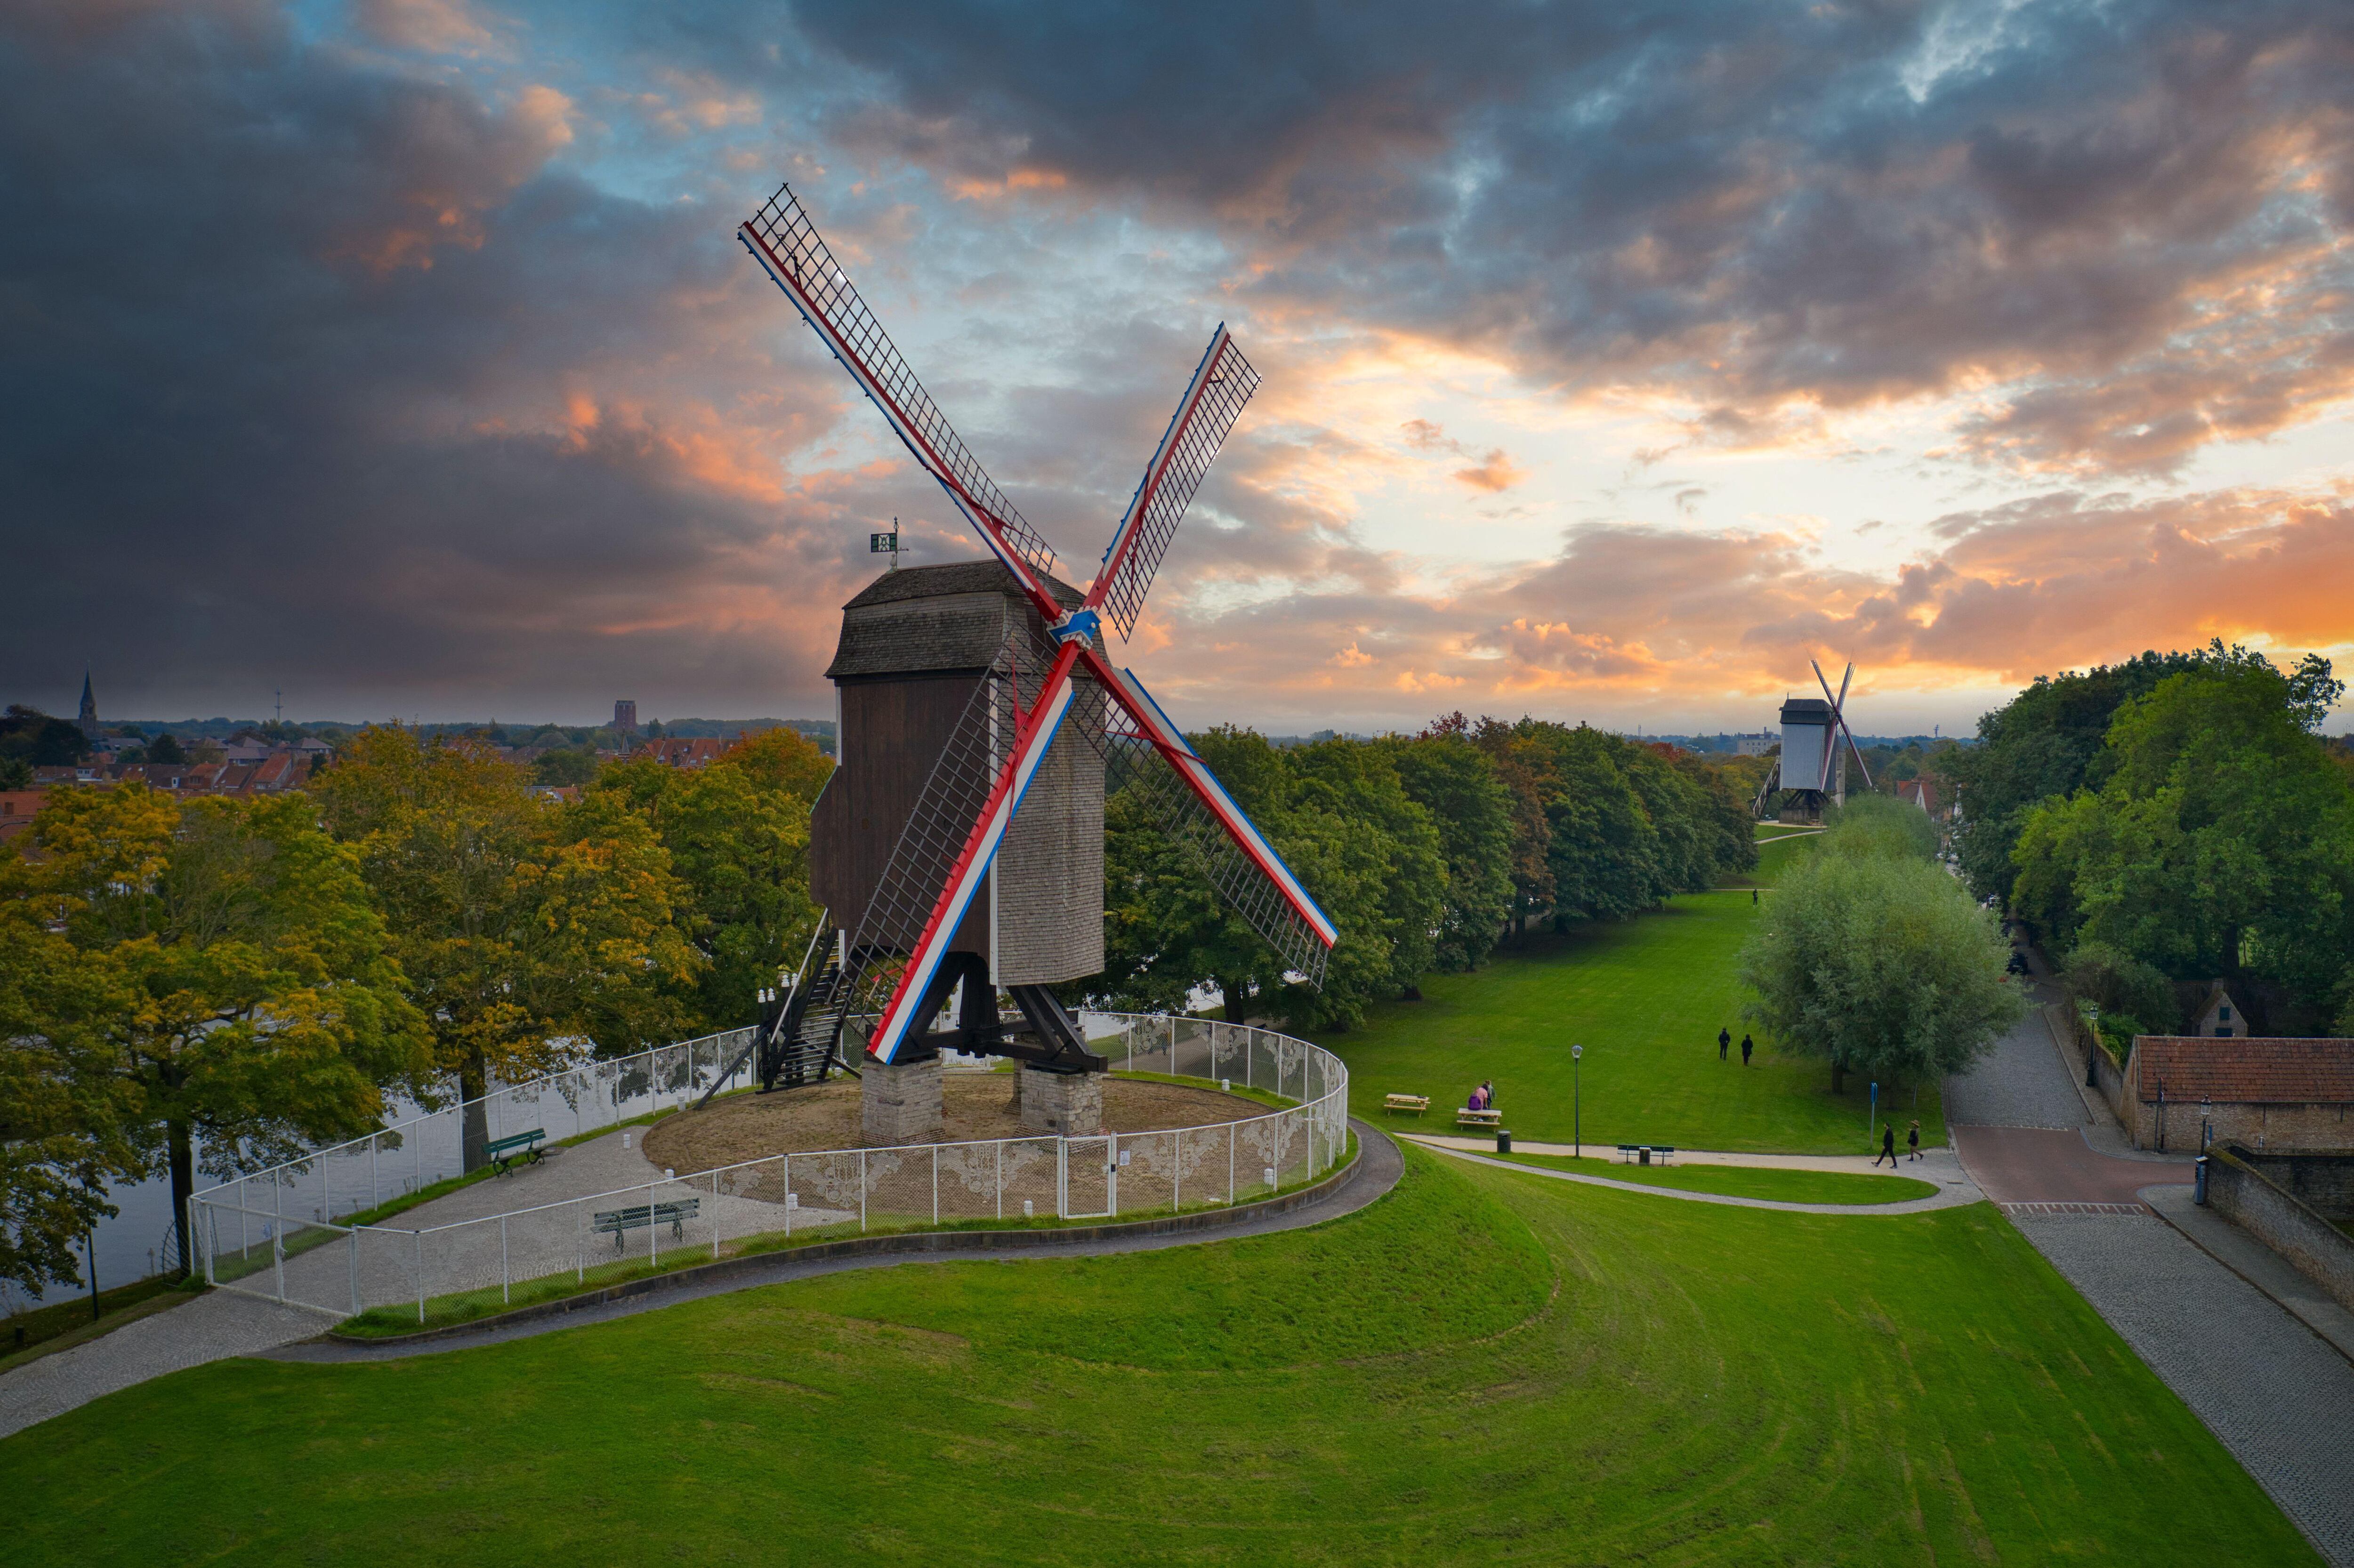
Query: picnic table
x: 1466, y: 1117
x: 1414, y: 1103
x: 1640, y: 1153
x: 639, y: 1216
x: 507, y: 1153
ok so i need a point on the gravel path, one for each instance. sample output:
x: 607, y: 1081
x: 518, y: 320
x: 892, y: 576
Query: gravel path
x: 2280, y: 1398
x: 222, y: 1323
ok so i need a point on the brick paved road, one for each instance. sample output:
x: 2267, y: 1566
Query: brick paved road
x: 2279, y: 1396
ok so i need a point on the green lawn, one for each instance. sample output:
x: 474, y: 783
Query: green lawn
x: 1486, y: 1366
x: 1746, y: 1181
x: 1646, y: 998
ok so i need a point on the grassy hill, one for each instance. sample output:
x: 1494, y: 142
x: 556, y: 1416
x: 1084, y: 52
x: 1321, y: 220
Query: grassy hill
x: 1487, y: 1366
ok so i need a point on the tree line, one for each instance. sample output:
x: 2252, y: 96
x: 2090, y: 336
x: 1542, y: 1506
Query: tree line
x: 218, y: 982
x: 1427, y: 851
x: 2170, y: 821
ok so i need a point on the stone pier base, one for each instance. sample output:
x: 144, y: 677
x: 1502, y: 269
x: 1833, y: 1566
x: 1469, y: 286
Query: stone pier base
x: 899, y: 1102
x: 1070, y: 1103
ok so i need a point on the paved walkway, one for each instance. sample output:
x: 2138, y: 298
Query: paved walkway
x: 225, y: 1323
x: 2276, y: 1392
x: 217, y: 1324
x: 1934, y: 1164
x: 1954, y: 1188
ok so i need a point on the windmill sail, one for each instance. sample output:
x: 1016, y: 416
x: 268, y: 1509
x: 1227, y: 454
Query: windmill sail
x: 1213, y: 400
x: 790, y: 248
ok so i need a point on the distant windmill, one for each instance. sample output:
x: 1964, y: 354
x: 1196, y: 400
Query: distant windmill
x: 970, y: 693
x: 1813, y: 769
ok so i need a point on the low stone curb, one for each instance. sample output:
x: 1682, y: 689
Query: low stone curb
x: 912, y: 1242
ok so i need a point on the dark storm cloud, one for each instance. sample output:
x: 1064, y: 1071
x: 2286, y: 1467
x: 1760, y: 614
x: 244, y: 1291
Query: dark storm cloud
x: 2128, y: 216
x: 320, y: 377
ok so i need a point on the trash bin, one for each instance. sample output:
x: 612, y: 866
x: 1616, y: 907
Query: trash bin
x: 1643, y: 1155
x: 1503, y: 1142
x: 2199, y: 1182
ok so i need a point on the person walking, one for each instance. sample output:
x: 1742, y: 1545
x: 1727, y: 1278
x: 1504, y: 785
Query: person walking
x: 1887, y: 1147
x: 1753, y: 898
x: 1723, y: 1042
x: 1913, y: 1140
x: 1746, y: 1049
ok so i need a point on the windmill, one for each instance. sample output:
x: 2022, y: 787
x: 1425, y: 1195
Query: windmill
x: 1813, y: 769
x: 990, y: 683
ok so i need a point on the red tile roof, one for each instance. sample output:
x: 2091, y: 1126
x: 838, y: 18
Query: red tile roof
x: 2251, y: 1071
x: 682, y: 752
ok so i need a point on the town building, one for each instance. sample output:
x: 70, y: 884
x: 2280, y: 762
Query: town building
x: 87, y: 720
x: 625, y: 719
x: 1756, y: 745
x: 679, y: 752
x: 2219, y: 1018
x: 2267, y: 1092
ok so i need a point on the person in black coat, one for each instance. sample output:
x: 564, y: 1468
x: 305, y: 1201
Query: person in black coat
x: 1746, y: 1049
x: 1887, y: 1147
x: 1723, y: 1042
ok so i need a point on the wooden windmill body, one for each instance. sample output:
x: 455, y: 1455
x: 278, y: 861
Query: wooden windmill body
x: 958, y: 848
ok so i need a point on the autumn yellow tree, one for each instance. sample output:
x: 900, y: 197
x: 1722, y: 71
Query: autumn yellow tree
x: 212, y: 975
x: 529, y: 931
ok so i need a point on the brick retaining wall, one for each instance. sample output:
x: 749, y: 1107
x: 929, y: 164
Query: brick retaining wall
x: 2240, y: 1193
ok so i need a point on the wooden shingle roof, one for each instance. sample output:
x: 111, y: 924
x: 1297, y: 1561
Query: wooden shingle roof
x: 2258, y: 1070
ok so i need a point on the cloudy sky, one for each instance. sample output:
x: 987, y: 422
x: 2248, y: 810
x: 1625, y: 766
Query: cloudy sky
x: 1619, y: 357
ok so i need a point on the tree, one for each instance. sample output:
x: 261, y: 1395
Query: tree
x: 2217, y: 837
x: 62, y: 1112
x: 1460, y: 786
x: 526, y: 931
x: 738, y: 835
x: 228, y: 957
x: 2134, y: 997
x: 15, y: 773
x: 564, y: 765
x: 1350, y: 789
x: 33, y: 738
x: 1880, y: 965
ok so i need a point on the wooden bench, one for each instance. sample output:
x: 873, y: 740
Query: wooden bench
x: 507, y: 1153
x: 640, y: 1216
x: 1640, y: 1153
x: 1466, y: 1117
x: 1414, y: 1103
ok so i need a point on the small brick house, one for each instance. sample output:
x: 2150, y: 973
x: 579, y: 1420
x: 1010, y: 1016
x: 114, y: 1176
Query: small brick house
x: 2268, y: 1093
x: 2219, y: 1018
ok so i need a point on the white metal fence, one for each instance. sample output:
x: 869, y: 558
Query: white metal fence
x: 277, y: 1233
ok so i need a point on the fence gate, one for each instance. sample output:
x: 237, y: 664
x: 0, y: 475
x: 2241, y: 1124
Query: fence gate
x: 1085, y: 1178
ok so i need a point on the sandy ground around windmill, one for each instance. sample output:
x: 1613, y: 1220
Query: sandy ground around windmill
x: 975, y: 1106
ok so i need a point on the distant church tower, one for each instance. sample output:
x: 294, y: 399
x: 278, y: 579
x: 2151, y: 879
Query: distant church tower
x: 89, y: 720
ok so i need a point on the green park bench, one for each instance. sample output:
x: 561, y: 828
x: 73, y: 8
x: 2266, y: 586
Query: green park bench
x: 1640, y: 1153
x: 640, y: 1216
x: 506, y: 1152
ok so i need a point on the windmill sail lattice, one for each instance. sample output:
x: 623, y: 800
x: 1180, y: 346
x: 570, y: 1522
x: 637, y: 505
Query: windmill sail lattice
x: 824, y: 292
x: 1213, y: 402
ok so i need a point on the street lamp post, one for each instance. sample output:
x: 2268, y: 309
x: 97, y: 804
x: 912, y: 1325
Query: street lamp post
x: 1576, y: 1103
